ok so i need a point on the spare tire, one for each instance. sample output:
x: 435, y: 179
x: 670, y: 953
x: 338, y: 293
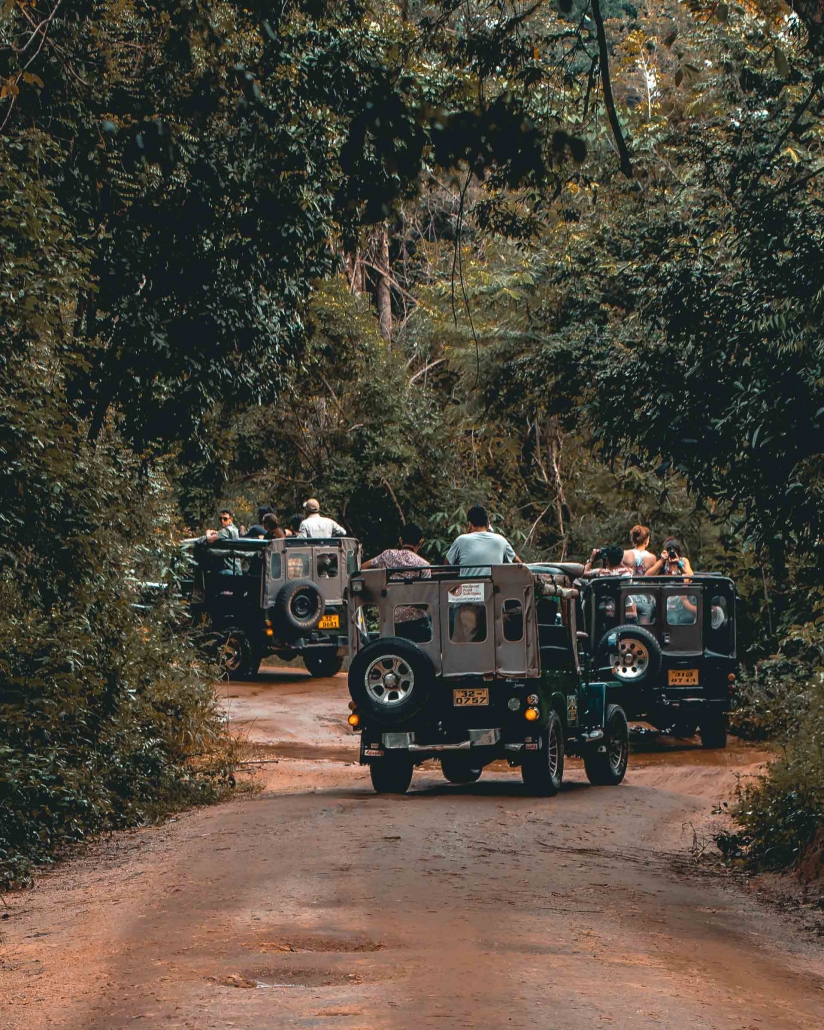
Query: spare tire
x: 390, y: 681
x: 298, y: 607
x: 631, y: 653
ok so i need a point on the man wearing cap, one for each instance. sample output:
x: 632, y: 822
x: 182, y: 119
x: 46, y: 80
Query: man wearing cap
x: 315, y: 525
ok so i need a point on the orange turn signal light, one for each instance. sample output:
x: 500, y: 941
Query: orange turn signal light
x: 731, y: 677
x: 353, y: 719
x: 531, y: 714
x: 352, y: 706
x: 270, y: 632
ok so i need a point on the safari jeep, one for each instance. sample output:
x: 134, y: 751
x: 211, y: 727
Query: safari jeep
x: 669, y: 643
x: 470, y: 670
x: 286, y: 597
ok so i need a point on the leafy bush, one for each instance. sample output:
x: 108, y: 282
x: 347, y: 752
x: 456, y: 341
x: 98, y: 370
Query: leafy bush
x: 782, y: 815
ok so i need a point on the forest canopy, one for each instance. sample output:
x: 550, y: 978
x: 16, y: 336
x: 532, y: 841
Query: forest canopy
x: 563, y: 258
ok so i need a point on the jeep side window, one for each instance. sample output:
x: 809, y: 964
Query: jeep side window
x: 367, y: 620
x: 682, y: 609
x: 298, y: 566
x: 351, y: 562
x: 277, y: 566
x: 513, y: 620
x: 467, y: 623
x: 327, y: 566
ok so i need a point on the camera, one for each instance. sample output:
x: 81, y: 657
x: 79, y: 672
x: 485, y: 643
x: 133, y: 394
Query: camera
x: 673, y: 554
x: 601, y: 555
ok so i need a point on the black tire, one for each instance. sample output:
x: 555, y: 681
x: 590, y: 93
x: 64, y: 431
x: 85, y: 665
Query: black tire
x: 323, y: 661
x: 543, y: 770
x: 460, y: 769
x: 392, y: 774
x: 298, y: 607
x: 237, y: 656
x: 385, y: 701
x: 631, y: 653
x: 608, y: 768
x: 713, y: 730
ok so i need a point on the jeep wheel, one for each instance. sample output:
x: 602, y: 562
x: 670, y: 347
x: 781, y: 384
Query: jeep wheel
x: 298, y: 607
x: 543, y: 770
x: 237, y: 657
x: 713, y: 730
x: 460, y: 769
x: 323, y: 661
x: 392, y: 774
x: 607, y: 768
x: 390, y: 681
x: 631, y: 653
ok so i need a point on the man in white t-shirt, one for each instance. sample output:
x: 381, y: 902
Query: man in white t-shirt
x: 480, y: 544
x: 317, y: 526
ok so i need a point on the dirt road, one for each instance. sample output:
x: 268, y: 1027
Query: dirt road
x: 316, y: 903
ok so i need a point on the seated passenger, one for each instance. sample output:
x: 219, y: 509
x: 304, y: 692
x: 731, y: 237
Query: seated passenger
x: 271, y: 527
x: 258, y: 531
x: 479, y: 548
x: 316, y: 526
x: 613, y: 562
x: 294, y: 525
x: 639, y: 559
x: 673, y: 561
x: 411, y: 622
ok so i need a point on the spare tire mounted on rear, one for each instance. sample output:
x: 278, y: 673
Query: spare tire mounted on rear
x: 299, y: 606
x: 391, y: 680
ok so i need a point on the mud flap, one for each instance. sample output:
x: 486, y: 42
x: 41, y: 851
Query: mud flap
x: 593, y: 704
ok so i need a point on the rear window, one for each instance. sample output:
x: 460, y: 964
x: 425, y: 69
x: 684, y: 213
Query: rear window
x: 467, y: 623
x: 513, y: 620
x: 276, y: 568
x: 682, y: 609
x: 640, y: 609
x: 298, y: 566
x: 327, y: 566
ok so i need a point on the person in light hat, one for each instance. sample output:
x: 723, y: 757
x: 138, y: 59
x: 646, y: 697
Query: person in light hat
x: 315, y: 525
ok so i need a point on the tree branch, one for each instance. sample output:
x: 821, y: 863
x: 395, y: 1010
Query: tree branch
x: 606, y: 83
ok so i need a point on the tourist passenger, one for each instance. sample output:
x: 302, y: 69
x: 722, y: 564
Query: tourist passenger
x: 258, y: 532
x: 294, y: 525
x: 673, y: 561
x: 480, y: 545
x: 412, y: 622
x: 228, y: 531
x: 639, y: 559
x: 613, y: 557
x: 271, y: 527
x: 315, y: 526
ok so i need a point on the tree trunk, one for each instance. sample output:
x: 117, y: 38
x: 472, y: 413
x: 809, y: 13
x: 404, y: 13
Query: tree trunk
x: 382, y: 294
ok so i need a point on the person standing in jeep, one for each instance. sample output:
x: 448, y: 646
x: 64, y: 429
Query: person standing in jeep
x: 317, y: 526
x: 411, y: 622
x: 480, y: 545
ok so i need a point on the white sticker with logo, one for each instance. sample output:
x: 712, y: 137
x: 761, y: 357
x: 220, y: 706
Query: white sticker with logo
x: 468, y: 593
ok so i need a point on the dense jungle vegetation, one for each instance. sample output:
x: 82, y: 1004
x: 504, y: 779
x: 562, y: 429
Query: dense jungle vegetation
x: 565, y: 258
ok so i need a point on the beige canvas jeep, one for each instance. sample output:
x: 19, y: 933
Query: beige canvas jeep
x: 473, y: 668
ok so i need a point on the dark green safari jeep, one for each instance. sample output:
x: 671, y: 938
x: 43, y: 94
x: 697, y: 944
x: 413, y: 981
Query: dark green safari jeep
x: 668, y: 643
x: 471, y: 668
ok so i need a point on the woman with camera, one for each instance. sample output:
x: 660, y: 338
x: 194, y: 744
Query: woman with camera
x: 673, y: 562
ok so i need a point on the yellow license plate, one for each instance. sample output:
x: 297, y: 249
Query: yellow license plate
x: 682, y: 677
x: 469, y: 697
x: 329, y: 622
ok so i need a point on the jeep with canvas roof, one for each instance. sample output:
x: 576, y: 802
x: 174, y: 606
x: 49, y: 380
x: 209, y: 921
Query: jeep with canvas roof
x: 669, y: 642
x: 251, y: 598
x: 469, y: 669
